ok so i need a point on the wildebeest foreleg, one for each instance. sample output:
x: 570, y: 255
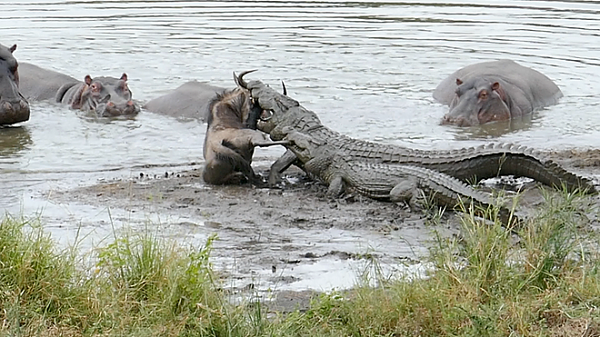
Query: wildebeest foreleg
x: 271, y: 143
x: 258, y: 138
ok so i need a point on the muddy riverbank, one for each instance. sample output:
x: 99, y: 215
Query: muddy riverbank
x: 293, y: 241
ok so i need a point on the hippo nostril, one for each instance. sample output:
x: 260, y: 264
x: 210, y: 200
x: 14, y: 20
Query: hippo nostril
x: 110, y: 104
x: 130, y: 103
x: 23, y: 105
x: 8, y: 106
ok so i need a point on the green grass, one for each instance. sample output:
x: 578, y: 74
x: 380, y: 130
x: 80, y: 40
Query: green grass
x: 540, y: 279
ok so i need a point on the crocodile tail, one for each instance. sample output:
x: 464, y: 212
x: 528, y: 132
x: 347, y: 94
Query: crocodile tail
x: 449, y: 191
x: 492, y: 160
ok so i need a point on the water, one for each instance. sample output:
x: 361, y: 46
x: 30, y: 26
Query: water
x: 367, y: 68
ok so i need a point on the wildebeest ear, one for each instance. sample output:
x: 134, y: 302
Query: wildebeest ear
x: 13, y: 48
x: 459, y: 81
x: 88, y: 79
x: 124, y: 77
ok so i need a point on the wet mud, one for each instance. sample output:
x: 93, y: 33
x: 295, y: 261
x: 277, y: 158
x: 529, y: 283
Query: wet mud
x: 289, y: 243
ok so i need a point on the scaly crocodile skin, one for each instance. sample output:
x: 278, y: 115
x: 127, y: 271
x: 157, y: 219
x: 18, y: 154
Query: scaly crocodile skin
x: 467, y: 164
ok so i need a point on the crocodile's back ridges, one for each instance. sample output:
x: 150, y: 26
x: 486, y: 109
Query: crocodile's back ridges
x: 470, y: 164
x: 467, y: 164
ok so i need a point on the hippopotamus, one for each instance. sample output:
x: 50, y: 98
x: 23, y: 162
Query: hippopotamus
x: 494, y: 91
x: 190, y: 100
x: 14, y: 108
x: 106, y: 96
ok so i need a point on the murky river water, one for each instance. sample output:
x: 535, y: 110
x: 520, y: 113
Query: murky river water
x: 367, y: 68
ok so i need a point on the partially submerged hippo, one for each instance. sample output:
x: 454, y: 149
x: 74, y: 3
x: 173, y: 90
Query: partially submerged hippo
x: 107, y: 96
x: 190, y: 100
x: 14, y: 108
x: 494, y: 91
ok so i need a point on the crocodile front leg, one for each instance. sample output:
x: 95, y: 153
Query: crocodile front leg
x: 280, y: 165
x: 300, y: 150
x: 406, y: 191
x: 336, y: 187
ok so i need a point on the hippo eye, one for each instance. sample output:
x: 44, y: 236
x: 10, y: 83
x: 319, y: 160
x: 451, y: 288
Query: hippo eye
x: 95, y: 87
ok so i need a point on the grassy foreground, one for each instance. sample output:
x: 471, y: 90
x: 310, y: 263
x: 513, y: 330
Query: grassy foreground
x: 543, y: 281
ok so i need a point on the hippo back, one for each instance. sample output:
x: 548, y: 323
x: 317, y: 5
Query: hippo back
x: 40, y: 84
x: 541, y: 91
x: 190, y: 101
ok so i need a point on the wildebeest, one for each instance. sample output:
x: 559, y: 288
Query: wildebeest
x: 231, y: 136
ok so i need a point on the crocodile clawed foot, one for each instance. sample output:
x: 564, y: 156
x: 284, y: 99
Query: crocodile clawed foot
x: 275, y: 180
x: 258, y: 181
x: 280, y: 185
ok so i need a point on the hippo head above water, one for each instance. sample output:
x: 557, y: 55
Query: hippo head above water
x: 479, y: 101
x: 14, y: 108
x: 107, y: 96
x: 494, y: 91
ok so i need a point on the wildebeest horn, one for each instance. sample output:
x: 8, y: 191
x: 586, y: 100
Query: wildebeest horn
x: 284, y: 89
x: 239, y: 80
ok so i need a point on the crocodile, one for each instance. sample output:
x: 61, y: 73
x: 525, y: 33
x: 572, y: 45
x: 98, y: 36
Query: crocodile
x: 380, y: 181
x: 280, y: 113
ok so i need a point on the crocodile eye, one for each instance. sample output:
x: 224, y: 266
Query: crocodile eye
x: 266, y: 115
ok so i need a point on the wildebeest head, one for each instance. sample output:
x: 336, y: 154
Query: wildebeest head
x: 108, y: 96
x: 230, y: 109
x: 478, y: 101
x: 14, y: 107
x: 273, y: 106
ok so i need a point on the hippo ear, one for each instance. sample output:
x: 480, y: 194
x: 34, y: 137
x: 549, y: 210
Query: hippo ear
x: 498, y: 89
x: 88, y: 79
x: 13, y: 48
x: 124, y: 77
x: 459, y: 81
